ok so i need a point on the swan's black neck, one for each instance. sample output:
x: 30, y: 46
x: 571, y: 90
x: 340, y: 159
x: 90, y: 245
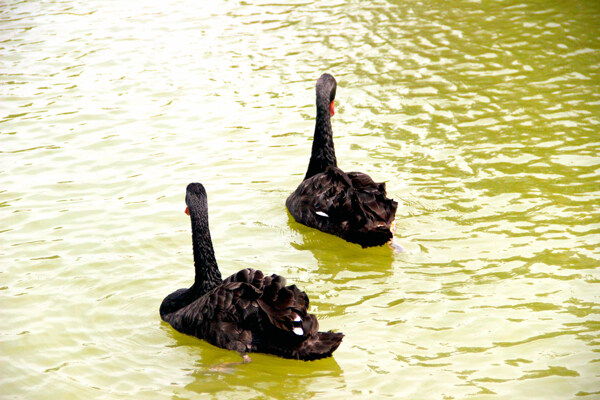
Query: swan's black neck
x: 208, y: 275
x: 323, y: 152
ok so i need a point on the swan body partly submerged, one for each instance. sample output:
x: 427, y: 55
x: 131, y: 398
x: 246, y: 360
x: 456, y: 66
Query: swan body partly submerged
x: 247, y: 312
x: 349, y: 205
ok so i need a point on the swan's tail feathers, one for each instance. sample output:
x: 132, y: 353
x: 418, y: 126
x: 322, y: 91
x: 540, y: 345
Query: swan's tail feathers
x: 371, y: 236
x: 361, y: 207
x: 286, y: 306
x: 290, y: 331
x: 319, y: 345
x: 311, y: 344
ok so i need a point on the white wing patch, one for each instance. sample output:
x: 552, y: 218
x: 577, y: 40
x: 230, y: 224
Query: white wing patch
x: 299, y: 331
x: 322, y: 214
x: 297, y: 319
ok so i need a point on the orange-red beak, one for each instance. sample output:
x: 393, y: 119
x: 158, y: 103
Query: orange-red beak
x: 332, y: 109
x: 187, y: 210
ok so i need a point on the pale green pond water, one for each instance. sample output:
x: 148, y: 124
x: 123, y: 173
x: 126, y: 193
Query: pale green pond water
x: 482, y: 116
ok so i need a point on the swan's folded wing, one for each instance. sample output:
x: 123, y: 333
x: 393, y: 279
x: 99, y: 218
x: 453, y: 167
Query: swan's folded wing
x: 359, y: 200
x: 223, y: 317
x: 372, y: 197
x: 271, y: 318
x: 351, y: 206
x: 286, y: 307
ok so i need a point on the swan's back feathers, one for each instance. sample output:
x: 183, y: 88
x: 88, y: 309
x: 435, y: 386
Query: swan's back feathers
x: 250, y: 312
x: 350, y: 205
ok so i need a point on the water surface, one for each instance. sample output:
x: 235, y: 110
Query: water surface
x: 482, y: 117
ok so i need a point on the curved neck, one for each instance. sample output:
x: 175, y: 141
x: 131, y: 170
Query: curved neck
x: 323, y: 152
x: 176, y: 301
x: 207, y: 271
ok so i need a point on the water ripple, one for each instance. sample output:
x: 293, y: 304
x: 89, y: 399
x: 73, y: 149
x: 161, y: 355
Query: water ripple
x: 481, y: 118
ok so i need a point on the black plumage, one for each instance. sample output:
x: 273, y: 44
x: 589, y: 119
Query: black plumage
x: 247, y: 312
x: 349, y: 205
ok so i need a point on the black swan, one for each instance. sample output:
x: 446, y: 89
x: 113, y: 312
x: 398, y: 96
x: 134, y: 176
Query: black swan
x: 247, y: 312
x: 349, y: 205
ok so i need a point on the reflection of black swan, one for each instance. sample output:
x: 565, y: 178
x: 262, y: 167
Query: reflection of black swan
x: 247, y: 312
x: 349, y: 205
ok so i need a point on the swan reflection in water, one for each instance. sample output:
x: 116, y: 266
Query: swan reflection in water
x: 266, y: 377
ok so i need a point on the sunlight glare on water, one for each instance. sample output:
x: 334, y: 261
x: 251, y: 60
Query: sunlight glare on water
x: 482, y: 117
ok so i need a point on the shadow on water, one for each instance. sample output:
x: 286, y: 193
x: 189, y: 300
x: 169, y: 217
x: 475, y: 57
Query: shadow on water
x: 262, y: 377
x: 334, y: 254
x: 217, y: 371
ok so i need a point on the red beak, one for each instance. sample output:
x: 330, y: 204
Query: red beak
x: 187, y: 210
x: 332, y: 109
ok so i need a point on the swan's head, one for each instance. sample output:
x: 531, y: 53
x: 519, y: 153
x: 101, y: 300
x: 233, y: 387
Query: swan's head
x: 326, y: 87
x: 195, y: 199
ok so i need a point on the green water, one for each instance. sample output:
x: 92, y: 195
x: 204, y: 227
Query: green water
x: 483, y: 118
